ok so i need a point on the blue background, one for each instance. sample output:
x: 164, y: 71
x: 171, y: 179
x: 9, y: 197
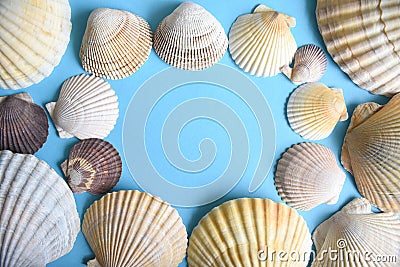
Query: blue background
x: 275, y: 89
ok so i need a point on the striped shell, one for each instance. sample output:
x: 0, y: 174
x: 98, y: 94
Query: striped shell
x: 190, y: 38
x: 87, y: 107
x: 131, y: 228
x: 93, y: 166
x: 23, y: 124
x: 261, y: 42
x: 314, y: 110
x: 116, y: 43
x: 33, y: 37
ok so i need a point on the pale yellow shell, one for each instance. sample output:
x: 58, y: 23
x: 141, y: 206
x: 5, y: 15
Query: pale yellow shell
x: 362, y: 37
x: 370, y: 152
x: 357, y: 237
x: 314, y: 110
x: 261, y: 43
x: 307, y: 175
x: 131, y: 228
x: 190, y: 38
x: 33, y: 37
x: 242, y: 232
x: 116, y: 43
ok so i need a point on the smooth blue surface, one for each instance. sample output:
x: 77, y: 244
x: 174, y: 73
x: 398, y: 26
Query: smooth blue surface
x: 275, y: 89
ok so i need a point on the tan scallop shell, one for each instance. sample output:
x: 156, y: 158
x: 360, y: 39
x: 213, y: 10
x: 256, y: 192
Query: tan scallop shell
x: 93, y: 166
x: 307, y: 175
x: 362, y: 37
x: 359, y: 236
x: 371, y: 150
x: 131, y: 228
x: 309, y: 65
x: 261, y: 43
x: 33, y: 37
x: 243, y: 232
x: 87, y: 107
x: 23, y: 124
x: 190, y: 38
x: 116, y: 43
x: 314, y: 110
x: 38, y: 218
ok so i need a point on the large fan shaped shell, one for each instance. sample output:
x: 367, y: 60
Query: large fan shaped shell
x: 87, y: 107
x: 33, y: 37
x: 261, y: 42
x: 23, y: 124
x: 38, y: 218
x: 363, y: 38
x: 131, y: 228
x: 190, y: 38
x: 116, y: 43
x: 243, y: 232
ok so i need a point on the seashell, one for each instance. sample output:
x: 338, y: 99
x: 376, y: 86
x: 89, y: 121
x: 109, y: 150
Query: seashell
x: 93, y: 166
x: 358, y: 236
x: 23, y: 124
x: 307, y: 175
x: 314, y: 110
x: 38, y: 218
x: 261, y: 43
x: 86, y: 108
x: 243, y: 232
x: 116, y: 43
x: 370, y: 152
x: 362, y: 38
x: 34, y: 37
x: 309, y: 65
x: 131, y: 228
x: 190, y: 38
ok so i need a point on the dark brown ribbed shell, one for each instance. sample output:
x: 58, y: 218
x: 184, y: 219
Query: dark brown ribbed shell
x: 23, y: 124
x: 93, y: 166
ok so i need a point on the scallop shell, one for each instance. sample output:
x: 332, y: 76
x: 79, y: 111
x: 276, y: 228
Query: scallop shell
x: 363, y: 38
x: 23, y: 124
x: 358, y: 236
x: 307, y: 175
x: 261, y: 43
x: 131, y: 228
x: 371, y: 150
x: 314, y: 110
x: 33, y: 37
x: 116, y: 43
x: 93, y: 166
x: 190, y: 38
x: 243, y: 232
x: 38, y: 218
x: 86, y: 108
x: 309, y: 65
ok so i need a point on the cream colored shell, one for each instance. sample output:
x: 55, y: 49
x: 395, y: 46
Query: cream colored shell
x: 261, y: 43
x: 313, y: 110
x: 241, y: 232
x: 33, y: 37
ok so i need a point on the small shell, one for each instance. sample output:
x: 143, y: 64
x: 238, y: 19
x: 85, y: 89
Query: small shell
x: 38, y: 218
x: 190, y: 38
x: 93, y: 166
x: 86, y: 108
x: 307, y: 175
x: 357, y: 235
x: 314, y: 110
x: 309, y: 65
x: 261, y: 42
x: 131, y: 228
x: 116, y: 43
x: 33, y: 37
x: 23, y: 124
x: 234, y: 233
